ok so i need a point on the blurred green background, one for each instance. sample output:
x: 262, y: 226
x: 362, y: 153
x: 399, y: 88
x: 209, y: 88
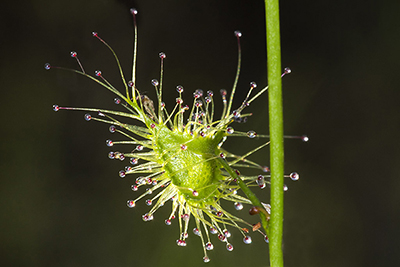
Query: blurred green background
x: 61, y: 200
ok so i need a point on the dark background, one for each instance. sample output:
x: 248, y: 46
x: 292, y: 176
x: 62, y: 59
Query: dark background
x: 61, y: 200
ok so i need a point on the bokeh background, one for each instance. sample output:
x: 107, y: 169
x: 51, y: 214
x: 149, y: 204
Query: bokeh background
x: 61, y: 200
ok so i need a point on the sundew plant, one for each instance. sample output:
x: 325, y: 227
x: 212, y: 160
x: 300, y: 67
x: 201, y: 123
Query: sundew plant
x: 175, y: 150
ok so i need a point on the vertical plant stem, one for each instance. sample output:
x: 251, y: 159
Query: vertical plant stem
x: 276, y: 130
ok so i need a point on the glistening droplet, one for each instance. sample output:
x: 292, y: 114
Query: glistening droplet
x: 154, y: 82
x: 294, y: 176
x: 130, y: 203
x: 238, y: 34
x: 109, y: 142
x: 196, y: 231
x: 88, y: 117
x: 251, y: 134
x: 247, y: 239
x: 238, y: 206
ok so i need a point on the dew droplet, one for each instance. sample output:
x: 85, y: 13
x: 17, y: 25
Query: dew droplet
x: 162, y: 55
x: 222, y: 155
x: 168, y: 222
x: 185, y: 217
x: 285, y: 188
x: 294, y: 176
x: 287, y: 70
x: 112, y: 129
x: 238, y: 205
x: 134, y: 187
x: 181, y: 243
x: 236, y: 114
x: 251, y: 134
x: 226, y: 233
x: 229, y: 247
x: 111, y: 155
x: 117, y: 101
x: 266, y: 239
x: 198, y: 104
x: 223, y: 92
x: 183, y: 147
x: 230, y: 130
x: 109, y: 142
x: 154, y: 82
x: 195, y: 193
x: 133, y: 161
x: 179, y: 100
x: 122, y: 174
x: 238, y: 34
x: 260, y: 181
x: 184, y: 235
x: 133, y: 11
x: 196, y: 231
x: 97, y: 73
x: 213, y: 230
x: 179, y: 89
x: 88, y: 117
x: 209, y: 246
x: 222, y: 237
x: 47, y: 66
x: 139, y: 147
x: 56, y: 108
x: 265, y: 169
x: 130, y: 84
x: 95, y: 34
x: 148, y: 202
x: 247, y: 239
x: 220, y: 213
x: 121, y: 157
x: 206, y: 259
x: 74, y: 54
x: 253, y: 85
x: 147, y: 217
x: 304, y: 138
x: 152, y: 126
x: 130, y: 203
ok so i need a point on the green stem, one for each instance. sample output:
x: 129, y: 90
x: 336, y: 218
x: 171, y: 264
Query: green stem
x: 276, y: 131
